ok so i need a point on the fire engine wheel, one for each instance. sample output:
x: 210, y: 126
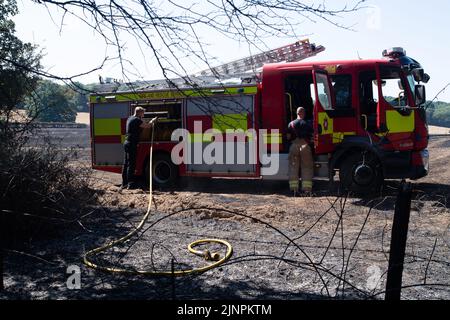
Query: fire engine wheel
x: 165, y: 173
x: 361, y: 173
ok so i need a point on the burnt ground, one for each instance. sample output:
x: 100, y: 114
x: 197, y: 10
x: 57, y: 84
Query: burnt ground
x: 321, y: 247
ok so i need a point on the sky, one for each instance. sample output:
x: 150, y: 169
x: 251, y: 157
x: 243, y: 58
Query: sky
x: 422, y: 28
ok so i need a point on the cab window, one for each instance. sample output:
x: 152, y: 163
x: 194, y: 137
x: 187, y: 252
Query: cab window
x: 342, y: 85
x: 368, y: 99
x: 393, y: 87
x: 323, y: 93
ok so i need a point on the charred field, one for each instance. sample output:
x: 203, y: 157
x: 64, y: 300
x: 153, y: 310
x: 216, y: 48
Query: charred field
x: 321, y: 247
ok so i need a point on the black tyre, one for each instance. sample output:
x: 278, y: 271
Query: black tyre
x: 164, y: 172
x: 361, y: 173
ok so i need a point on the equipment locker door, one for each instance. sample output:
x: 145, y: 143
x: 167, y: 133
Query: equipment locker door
x: 324, y: 101
x: 108, y: 122
x: 233, y: 156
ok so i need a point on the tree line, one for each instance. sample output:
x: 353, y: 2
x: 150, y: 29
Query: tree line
x: 52, y: 102
x: 438, y: 114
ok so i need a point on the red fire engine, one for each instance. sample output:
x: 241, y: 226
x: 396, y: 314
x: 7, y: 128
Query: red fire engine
x: 368, y: 118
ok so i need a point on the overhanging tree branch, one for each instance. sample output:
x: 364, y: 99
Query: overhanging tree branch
x: 172, y: 33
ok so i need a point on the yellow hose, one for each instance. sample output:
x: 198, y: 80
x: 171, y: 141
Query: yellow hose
x: 205, y: 254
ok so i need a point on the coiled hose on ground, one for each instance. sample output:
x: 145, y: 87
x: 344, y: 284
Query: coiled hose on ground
x: 205, y: 254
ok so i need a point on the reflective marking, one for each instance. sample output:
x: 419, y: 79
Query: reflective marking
x: 273, y: 138
x: 397, y: 123
x: 107, y: 127
x: 307, y: 184
x: 338, y: 137
x: 326, y: 122
x: 331, y: 69
x: 173, y: 94
x: 223, y: 122
x: 293, y: 185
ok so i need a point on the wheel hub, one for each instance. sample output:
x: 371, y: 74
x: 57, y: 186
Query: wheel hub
x: 162, y: 172
x: 363, y: 174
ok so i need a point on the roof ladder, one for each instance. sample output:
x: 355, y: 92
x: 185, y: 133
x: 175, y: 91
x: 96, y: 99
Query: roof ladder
x: 296, y: 51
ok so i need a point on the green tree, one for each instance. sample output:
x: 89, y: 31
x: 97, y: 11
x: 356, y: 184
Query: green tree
x: 438, y: 114
x: 49, y: 103
x: 38, y: 179
x: 19, y: 63
x: 77, y: 94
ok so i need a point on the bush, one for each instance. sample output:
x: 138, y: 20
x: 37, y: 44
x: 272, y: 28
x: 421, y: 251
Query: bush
x: 40, y: 186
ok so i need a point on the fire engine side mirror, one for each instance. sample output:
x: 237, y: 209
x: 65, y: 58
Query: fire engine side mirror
x: 420, y: 94
x: 418, y: 74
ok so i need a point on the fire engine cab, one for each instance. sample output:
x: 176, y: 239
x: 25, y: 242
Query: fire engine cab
x: 368, y: 118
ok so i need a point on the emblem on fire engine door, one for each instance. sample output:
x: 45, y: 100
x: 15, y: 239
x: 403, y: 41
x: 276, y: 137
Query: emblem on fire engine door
x: 325, y: 124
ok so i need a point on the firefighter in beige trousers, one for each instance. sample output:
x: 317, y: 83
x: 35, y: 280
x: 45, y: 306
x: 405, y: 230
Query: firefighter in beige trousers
x: 300, y: 154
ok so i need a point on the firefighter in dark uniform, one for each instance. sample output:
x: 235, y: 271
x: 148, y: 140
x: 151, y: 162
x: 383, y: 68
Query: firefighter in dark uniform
x: 300, y: 133
x: 133, y: 131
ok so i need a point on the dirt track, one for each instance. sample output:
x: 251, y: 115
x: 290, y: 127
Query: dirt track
x: 264, y: 265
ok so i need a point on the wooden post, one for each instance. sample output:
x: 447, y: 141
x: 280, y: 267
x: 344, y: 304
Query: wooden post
x: 398, y: 242
x: 172, y: 268
x: 2, y: 237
